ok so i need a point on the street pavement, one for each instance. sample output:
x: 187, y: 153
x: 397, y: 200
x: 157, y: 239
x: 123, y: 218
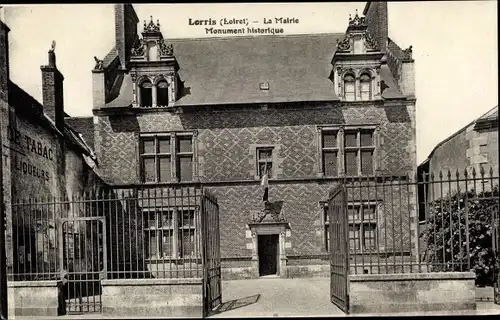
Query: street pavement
x: 275, y: 297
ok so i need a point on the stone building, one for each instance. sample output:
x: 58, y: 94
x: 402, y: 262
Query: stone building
x: 310, y: 109
x: 472, y: 150
x: 43, y: 158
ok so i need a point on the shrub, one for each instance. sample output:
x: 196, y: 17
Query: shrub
x: 446, y: 229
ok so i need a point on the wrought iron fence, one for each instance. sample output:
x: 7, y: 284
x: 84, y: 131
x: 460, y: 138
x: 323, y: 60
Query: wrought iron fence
x: 151, y: 232
x: 437, y: 222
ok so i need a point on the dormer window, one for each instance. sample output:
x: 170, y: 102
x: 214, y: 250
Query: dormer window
x: 349, y: 87
x: 162, y: 93
x: 365, y: 86
x: 146, y: 94
x: 357, y: 63
x: 152, y: 51
x: 153, y: 69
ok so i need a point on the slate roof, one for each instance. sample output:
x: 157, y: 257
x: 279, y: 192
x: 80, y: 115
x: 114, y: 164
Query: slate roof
x: 27, y: 106
x: 397, y: 51
x: 84, y: 126
x: 110, y: 57
x: 228, y: 70
x: 491, y: 115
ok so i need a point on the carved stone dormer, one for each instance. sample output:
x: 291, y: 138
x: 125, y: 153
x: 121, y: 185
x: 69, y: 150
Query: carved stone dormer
x: 356, y: 63
x: 153, y: 68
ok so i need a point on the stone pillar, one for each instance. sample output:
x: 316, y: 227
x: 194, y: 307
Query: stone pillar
x: 255, y: 254
x: 377, y: 90
x: 134, y: 90
x: 283, y: 259
x: 172, y: 94
x: 319, y: 160
x: 340, y: 160
x: 98, y: 89
x: 153, y: 92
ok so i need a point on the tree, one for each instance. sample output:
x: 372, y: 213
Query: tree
x: 456, y: 241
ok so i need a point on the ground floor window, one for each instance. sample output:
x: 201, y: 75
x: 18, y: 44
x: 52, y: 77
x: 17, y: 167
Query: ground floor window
x: 362, y: 227
x: 362, y: 219
x: 172, y: 233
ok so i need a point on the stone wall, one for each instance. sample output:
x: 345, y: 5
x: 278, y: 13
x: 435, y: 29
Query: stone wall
x: 411, y: 292
x: 153, y: 298
x: 469, y: 150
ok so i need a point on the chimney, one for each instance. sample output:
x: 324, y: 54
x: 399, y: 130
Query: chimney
x: 125, y: 31
x: 52, y: 87
x: 4, y: 58
x: 98, y: 85
x: 375, y: 13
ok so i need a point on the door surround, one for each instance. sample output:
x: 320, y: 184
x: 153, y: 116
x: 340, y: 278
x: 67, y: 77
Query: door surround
x: 269, y: 228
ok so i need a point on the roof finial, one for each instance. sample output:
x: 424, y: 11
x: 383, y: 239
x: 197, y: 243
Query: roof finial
x: 53, y: 46
x: 357, y: 20
x: 52, y: 55
x: 151, y: 27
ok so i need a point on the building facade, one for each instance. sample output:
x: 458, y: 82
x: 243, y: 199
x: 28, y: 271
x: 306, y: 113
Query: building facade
x: 308, y: 109
x: 43, y: 158
x: 472, y: 152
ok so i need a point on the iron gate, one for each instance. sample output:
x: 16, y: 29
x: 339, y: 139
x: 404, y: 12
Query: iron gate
x: 211, y: 253
x: 83, y: 262
x: 496, y: 250
x: 338, y: 247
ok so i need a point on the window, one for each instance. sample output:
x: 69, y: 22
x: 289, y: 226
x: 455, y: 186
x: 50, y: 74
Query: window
x: 162, y: 93
x: 365, y: 86
x: 349, y: 87
x: 330, y: 153
x: 158, y: 160
x: 358, y: 149
x: 265, y: 161
x: 146, y: 94
x: 184, y: 157
x: 171, y: 233
x: 362, y: 227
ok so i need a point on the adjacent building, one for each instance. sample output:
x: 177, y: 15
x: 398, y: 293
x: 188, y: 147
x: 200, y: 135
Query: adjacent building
x: 310, y: 110
x: 43, y: 158
x: 472, y: 152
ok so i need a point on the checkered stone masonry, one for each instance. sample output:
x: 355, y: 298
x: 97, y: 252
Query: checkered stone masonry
x: 301, y: 207
x: 225, y: 138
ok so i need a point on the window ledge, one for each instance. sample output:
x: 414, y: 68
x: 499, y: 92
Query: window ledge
x: 183, y: 260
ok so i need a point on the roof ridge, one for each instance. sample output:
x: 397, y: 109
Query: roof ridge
x: 256, y: 36
x: 487, y: 112
x: 78, y: 117
x: 454, y: 135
